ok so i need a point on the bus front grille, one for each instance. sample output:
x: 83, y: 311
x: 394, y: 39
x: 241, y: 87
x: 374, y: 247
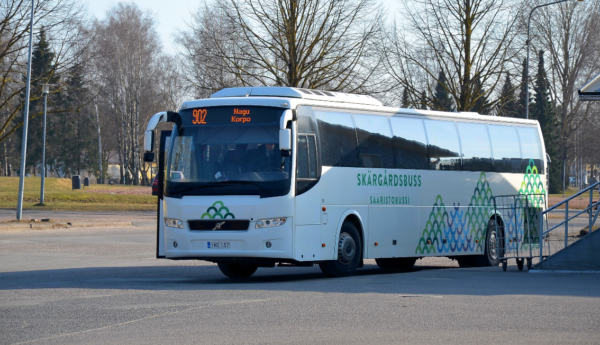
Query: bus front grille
x: 218, y: 225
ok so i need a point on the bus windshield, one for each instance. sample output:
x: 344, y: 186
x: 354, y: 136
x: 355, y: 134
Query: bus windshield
x: 212, y: 152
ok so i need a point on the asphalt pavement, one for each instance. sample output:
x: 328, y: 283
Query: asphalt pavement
x: 104, y: 286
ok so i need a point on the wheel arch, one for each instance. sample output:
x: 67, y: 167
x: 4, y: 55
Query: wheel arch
x: 354, y: 217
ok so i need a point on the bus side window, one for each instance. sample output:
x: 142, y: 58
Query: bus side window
x: 531, y: 148
x: 337, y: 139
x: 476, y: 147
x: 375, y: 146
x: 410, y: 143
x: 312, y: 157
x: 307, y: 157
x: 506, y: 149
x: 302, y: 160
x: 444, y: 148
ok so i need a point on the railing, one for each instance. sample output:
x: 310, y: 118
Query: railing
x: 518, y: 234
x: 593, y: 210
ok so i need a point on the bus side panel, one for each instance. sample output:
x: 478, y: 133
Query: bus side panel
x: 309, y: 240
x: 393, y: 228
x: 308, y: 207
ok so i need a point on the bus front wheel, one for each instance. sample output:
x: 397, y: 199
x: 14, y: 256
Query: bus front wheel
x: 237, y: 270
x: 349, y: 253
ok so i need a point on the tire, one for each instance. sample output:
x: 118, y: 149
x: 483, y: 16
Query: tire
x: 493, y: 249
x: 396, y: 263
x: 349, y: 253
x: 237, y: 271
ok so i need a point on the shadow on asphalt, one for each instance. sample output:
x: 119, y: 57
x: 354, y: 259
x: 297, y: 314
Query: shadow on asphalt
x: 370, y: 279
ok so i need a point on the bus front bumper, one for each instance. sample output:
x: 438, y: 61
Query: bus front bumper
x: 275, y: 242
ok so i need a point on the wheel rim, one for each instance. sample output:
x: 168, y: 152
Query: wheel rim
x: 493, y: 246
x: 346, y: 249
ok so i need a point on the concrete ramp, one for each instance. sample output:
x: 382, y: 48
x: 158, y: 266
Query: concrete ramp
x: 583, y: 255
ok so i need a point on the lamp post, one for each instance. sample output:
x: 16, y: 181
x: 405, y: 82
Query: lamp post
x: 528, y: 43
x: 45, y: 91
x: 527, y: 76
x: 25, y: 122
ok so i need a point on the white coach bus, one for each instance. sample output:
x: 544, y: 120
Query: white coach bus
x: 255, y: 177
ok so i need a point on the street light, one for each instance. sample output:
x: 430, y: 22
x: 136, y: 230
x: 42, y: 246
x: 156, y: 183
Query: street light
x: 45, y: 91
x: 25, y: 121
x: 527, y: 75
x: 528, y: 43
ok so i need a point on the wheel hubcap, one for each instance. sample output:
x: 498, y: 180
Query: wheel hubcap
x: 346, y: 249
x: 493, y: 246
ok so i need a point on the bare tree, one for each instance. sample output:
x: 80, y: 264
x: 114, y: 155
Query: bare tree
x: 300, y: 43
x: 471, y: 41
x: 209, y: 36
x: 129, y: 71
x: 570, y: 32
x: 62, y: 21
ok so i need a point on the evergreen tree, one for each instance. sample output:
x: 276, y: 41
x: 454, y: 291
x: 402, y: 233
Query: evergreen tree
x: 405, y: 100
x: 482, y: 105
x: 543, y: 111
x: 522, y: 101
x: 75, y: 138
x: 42, y: 72
x: 508, y: 106
x: 423, y: 101
x: 442, y: 100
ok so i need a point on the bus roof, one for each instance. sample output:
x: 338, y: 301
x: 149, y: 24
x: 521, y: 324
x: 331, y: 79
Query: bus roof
x: 289, y: 97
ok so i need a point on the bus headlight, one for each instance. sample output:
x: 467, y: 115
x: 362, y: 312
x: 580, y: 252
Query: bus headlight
x: 173, y: 223
x: 270, y: 222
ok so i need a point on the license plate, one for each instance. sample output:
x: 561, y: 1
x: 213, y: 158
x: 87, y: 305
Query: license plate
x: 218, y: 245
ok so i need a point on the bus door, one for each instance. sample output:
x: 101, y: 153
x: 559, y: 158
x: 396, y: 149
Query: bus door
x: 163, y: 150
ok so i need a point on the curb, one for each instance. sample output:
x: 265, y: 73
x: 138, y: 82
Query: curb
x: 46, y: 226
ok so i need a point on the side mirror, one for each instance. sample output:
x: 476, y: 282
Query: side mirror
x: 148, y: 157
x: 285, y: 139
x: 149, y: 141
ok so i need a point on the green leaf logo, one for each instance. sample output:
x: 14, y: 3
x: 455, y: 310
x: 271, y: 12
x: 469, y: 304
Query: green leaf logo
x: 218, y: 210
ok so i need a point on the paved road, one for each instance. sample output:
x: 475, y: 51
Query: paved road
x: 102, y: 286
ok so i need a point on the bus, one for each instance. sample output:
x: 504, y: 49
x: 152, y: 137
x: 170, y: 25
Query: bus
x: 264, y: 176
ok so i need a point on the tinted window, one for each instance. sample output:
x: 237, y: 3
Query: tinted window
x: 410, y: 143
x: 307, y: 157
x: 312, y: 157
x: 476, y: 149
x: 305, y: 120
x: 505, y: 145
x: 444, y: 149
x: 531, y: 148
x: 302, y: 157
x: 337, y: 139
x: 375, y: 147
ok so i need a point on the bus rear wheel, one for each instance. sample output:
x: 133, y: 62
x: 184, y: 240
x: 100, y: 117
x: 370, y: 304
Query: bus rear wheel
x: 349, y: 253
x: 396, y: 263
x: 237, y: 270
x: 493, y: 247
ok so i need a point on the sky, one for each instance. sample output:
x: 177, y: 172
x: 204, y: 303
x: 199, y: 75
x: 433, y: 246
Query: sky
x: 172, y: 15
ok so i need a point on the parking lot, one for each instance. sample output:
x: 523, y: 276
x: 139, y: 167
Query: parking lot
x: 103, y: 286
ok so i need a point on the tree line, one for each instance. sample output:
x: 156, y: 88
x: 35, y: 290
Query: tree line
x: 110, y: 75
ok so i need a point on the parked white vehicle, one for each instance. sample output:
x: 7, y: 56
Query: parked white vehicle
x: 273, y: 175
